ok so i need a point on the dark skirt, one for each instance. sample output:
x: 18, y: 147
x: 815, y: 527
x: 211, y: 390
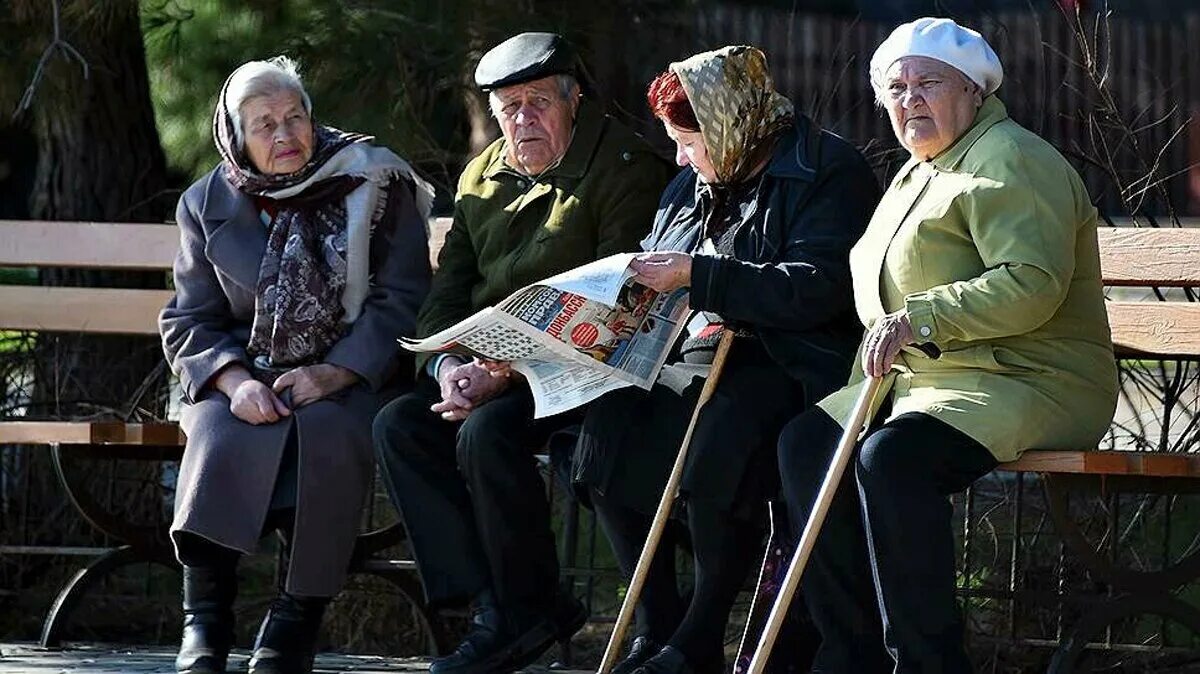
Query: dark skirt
x: 630, y: 438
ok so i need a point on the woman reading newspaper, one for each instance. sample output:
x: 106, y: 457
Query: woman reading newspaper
x: 759, y: 226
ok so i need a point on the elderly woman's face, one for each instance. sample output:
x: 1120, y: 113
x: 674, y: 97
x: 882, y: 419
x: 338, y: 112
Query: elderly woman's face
x: 930, y: 104
x: 690, y: 150
x: 536, y: 122
x: 278, y: 132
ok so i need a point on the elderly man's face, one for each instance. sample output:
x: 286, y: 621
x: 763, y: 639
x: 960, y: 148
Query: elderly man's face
x: 536, y: 122
x: 930, y: 104
x: 278, y: 132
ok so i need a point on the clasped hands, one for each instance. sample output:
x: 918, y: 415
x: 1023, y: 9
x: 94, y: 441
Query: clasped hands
x: 467, y: 384
x: 256, y: 403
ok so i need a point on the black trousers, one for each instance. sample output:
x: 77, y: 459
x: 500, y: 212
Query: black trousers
x: 471, y: 496
x: 880, y: 582
x: 730, y: 477
x: 724, y: 549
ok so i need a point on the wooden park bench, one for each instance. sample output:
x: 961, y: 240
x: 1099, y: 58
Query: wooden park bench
x: 1130, y: 257
x: 1149, y: 329
x: 124, y: 311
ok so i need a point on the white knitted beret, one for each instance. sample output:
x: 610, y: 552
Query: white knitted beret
x: 945, y: 41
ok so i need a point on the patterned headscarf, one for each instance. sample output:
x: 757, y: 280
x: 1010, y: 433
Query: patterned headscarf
x: 739, y: 111
x: 327, y: 141
x: 315, y: 272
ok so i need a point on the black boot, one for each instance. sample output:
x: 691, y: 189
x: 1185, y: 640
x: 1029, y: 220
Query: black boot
x: 642, y: 650
x: 288, y: 635
x: 208, y: 593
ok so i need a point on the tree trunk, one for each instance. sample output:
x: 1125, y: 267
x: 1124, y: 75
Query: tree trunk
x: 99, y: 159
x: 483, y: 127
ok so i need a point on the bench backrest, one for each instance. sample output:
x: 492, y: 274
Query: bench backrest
x: 1152, y: 258
x: 99, y: 246
x: 1129, y: 257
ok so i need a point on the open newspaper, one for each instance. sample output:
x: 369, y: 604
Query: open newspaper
x: 574, y: 336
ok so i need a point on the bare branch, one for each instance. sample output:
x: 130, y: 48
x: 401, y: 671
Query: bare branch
x: 58, y: 44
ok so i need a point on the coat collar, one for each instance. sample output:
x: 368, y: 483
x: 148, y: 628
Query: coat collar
x: 990, y: 113
x: 236, y: 237
x: 792, y: 157
x: 589, y: 125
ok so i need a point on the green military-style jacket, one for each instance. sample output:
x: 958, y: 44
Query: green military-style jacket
x: 511, y: 230
x: 991, y: 249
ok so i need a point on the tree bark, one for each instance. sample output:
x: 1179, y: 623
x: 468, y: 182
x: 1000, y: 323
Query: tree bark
x: 99, y: 159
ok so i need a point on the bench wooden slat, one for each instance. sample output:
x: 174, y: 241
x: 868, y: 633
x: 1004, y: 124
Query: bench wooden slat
x: 1150, y: 464
x: 90, y: 433
x: 1167, y: 257
x: 1155, y: 329
x: 91, y: 245
x: 93, y: 310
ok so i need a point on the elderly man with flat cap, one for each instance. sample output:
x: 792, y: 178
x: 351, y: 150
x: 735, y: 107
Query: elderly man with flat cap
x: 566, y: 185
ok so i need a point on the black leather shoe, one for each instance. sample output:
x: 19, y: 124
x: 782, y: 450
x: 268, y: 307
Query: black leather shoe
x: 498, y: 642
x: 208, y: 594
x: 643, y: 649
x: 483, y: 649
x: 668, y: 660
x: 288, y: 634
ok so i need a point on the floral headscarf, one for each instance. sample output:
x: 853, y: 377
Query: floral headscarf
x: 739, y: 111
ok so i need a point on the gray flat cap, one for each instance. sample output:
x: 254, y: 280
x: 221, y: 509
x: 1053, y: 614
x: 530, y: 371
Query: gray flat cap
x: 524, y: 57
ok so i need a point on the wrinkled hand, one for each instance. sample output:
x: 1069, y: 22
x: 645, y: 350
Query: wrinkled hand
x: 884, y: 341
x: 663, y: 272
x: 314, y: 382
x: 254, y: 403
x: 464, y: 387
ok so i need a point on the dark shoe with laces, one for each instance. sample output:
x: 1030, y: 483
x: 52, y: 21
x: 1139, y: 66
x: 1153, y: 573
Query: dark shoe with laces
x: 567, y: 616
x: 483, y: 647
x: 208, y: 594
x: 643, y: 649
x: 498, y: 642
x: 288, y: 635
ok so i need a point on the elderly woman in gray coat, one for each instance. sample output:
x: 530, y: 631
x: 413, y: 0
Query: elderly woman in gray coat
x: 303, y: 257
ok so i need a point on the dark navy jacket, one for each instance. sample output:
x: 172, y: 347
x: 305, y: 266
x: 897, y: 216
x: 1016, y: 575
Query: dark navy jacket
x: 788, y: 282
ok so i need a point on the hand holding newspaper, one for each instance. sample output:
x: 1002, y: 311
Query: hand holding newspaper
x: 574, y: 336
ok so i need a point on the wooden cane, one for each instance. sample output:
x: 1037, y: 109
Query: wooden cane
x: 841, y: 457
x: 663, y: 513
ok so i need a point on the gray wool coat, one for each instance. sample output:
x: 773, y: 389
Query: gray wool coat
x: 229, y: 466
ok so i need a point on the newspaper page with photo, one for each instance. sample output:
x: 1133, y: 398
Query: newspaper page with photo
x: 574, y: 336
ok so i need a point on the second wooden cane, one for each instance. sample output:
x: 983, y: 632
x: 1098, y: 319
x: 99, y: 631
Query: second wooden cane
x: 808, y: 539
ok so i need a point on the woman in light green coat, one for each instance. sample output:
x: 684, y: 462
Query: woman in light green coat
x: 978, y: 281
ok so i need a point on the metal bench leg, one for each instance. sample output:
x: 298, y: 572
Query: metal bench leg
x: 569, y: 558
x: 1097, y: 619
x: 437, y: 641
x: 1134, y: 592
x: 83, y: 580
